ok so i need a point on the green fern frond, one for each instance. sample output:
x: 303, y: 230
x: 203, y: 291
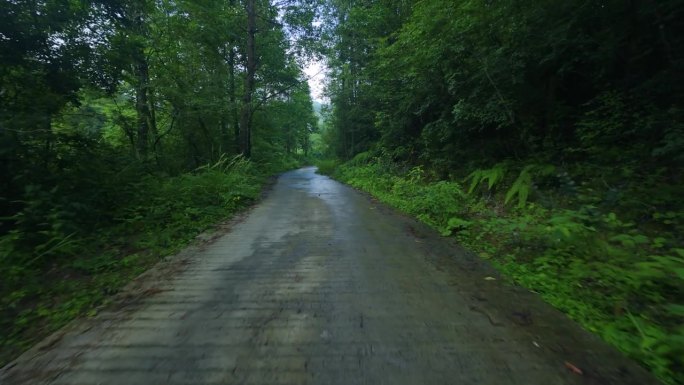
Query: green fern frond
x: 492, y: 176
x: 523, y: 184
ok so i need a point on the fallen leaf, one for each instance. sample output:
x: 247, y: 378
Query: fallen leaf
x: 490, y: 279
x: 573, y: 368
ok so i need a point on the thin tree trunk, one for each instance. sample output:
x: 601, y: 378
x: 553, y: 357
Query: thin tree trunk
x: 246, y: 114
x: 234, y: 113
x: 224, y: 125
x: 225, y: 137
x: 152, y: 110
x: 235, y: 120
x: 142, y: 102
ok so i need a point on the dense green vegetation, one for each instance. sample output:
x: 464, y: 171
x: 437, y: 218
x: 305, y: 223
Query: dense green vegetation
x: 548, y: 136
x: 126, y: 128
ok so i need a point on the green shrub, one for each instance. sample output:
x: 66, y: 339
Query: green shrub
x: 327, y: 166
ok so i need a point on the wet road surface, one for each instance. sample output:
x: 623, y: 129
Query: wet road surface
x: 319, y: 284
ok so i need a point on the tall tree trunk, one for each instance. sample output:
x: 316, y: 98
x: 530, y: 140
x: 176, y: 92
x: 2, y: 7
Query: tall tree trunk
x: 234, y: 113
x: 145, y: 117
x: 153, y: 112
x: 225, y: 136
x: 224, y: 118
x: 234, y: 118
x: 246, y: 114
x: 141, y: 104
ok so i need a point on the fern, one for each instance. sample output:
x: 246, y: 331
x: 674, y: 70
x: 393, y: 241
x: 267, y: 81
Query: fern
x: 520, y: 187
x: 492, y: 176
x: 523, y: 184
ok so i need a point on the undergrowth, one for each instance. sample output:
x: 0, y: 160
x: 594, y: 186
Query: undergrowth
x: 68, y: 268
x: 619, y: 277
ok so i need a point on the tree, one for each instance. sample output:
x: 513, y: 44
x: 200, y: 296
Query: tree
x: 246, y: 113
x: 360, y: 27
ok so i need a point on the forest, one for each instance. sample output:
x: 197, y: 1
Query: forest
x: 127, y: 128
x: 545, y: 136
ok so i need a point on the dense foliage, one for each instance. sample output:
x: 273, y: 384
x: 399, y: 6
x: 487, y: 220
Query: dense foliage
x: 110, y: 112
x: 547, y: 135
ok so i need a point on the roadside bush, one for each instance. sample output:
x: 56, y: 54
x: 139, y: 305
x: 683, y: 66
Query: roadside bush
x: 327, y: 166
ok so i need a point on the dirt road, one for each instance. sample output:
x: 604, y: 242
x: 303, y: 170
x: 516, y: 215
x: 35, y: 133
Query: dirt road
x: 319, y: 284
